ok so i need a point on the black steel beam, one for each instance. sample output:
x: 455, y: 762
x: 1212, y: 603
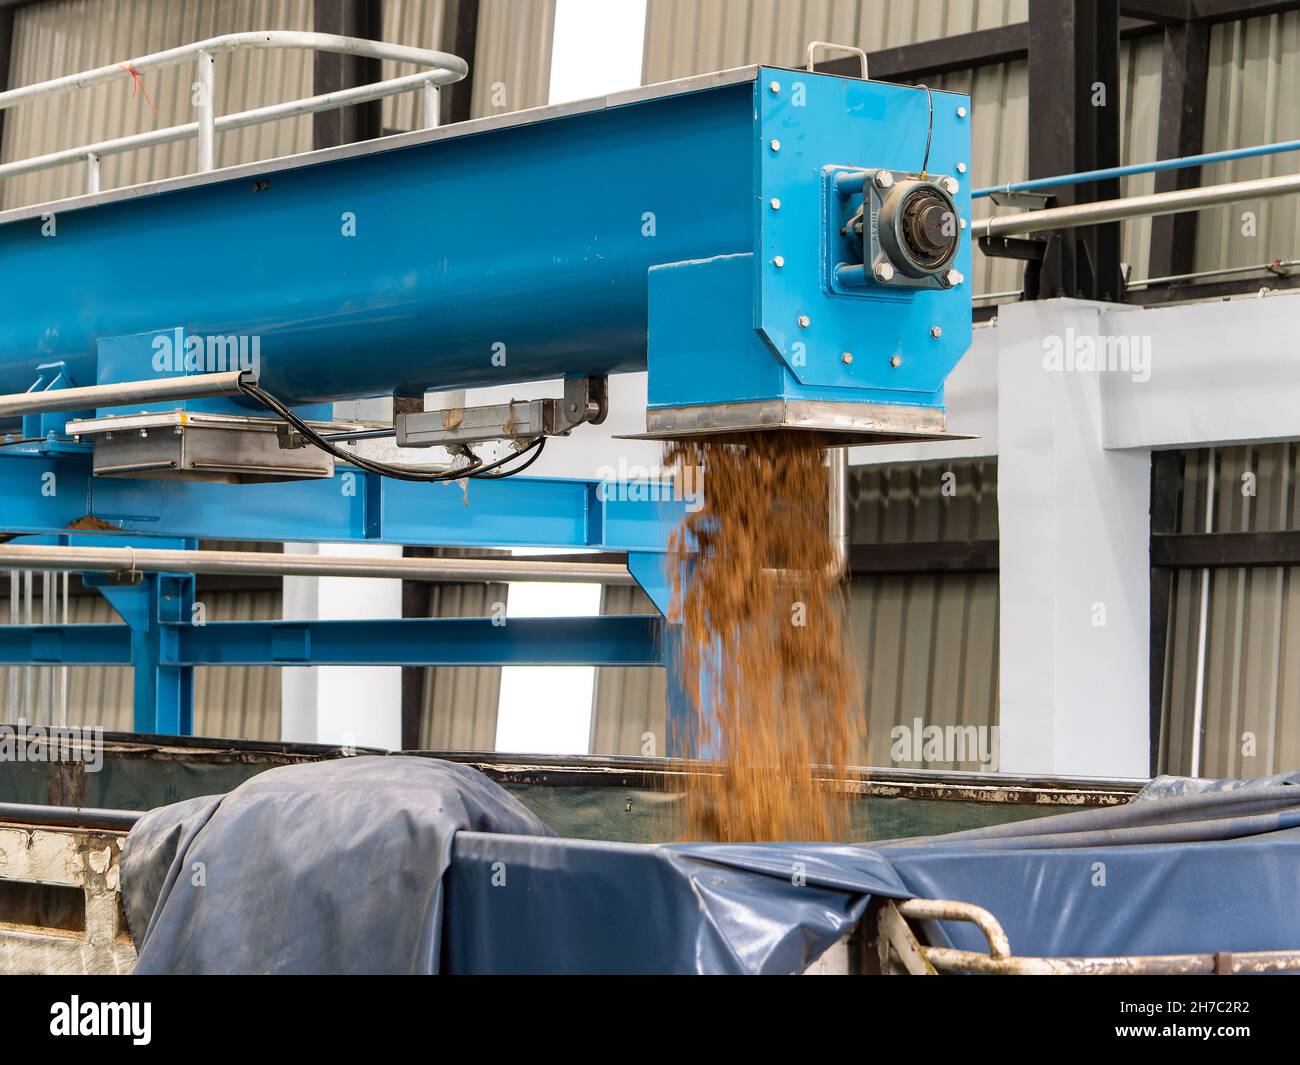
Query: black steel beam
x: 1231, y: 10
x: 961, y: 51
x: 932, y: 557
x: 1180, y: 131
x: 1074, y: 101
x: 1166, y: 484
x: 1166, y: 12
x: 1225, y: 550
x: 417, y: 598
x: 459, y: 37
x: 330, y: 72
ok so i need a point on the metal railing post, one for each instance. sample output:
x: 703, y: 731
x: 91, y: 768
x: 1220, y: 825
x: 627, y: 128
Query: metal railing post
x: 207, y: 111
x: 92, y: 172
x: 431, y: 100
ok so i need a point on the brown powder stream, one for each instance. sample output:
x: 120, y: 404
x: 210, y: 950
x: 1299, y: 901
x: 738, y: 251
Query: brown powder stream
x: 764, y: 658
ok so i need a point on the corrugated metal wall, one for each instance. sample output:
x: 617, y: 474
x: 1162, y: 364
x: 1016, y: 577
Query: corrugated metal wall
x: 1252, y: 96
x: 228, y: 701
x: 629, y: 703
x: 513, y: 58
x: 511, y: 66
x: 1250, y: 672
x: 460, y: 702
x: 686, y: 37
x: 419, y: 24
x: 927, y: 645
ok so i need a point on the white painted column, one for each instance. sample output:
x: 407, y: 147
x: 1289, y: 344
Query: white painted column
x: 1074, y: 530
x: 347, y: 705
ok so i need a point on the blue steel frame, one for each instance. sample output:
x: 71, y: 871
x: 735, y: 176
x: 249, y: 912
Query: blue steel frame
x: 45, y: 491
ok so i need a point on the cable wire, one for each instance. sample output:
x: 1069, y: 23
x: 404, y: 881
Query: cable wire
x: 536, y: 447
x: 384, y: 469
x: 929, y: 132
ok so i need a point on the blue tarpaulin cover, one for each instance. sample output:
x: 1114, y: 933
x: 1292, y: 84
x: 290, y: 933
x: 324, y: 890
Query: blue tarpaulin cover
x: 413, y: 865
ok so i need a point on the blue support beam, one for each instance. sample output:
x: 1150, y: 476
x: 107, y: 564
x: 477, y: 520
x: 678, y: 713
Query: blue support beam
x: 65, y: 645
x: 154, y: 609
x: 626, y: 640
x: 45, y: 493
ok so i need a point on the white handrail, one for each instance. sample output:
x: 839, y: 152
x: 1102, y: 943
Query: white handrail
x: 443, y: 69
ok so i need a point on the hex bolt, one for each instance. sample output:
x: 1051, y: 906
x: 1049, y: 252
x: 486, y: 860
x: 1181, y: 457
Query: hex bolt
x: 774, y: 86
x: 884, y: 179
x: 775, y: 145
x: 896, y: 362
x: 775, y: 204
x: 953, y: 278
x: 847, y: 358
x: 951, y: 185
x: 961, y: 112
x: 883, y: 271
x: 961, y: 168
x: 778, y: 261
x: 804, y: 321
x: 936, y: 332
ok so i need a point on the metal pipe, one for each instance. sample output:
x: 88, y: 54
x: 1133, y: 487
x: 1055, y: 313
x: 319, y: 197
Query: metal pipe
x: 148, y: 560
x: 193, y: 386
x: 92, y: 173
x: 838, y: 518
x: 63, y: 670
x: 229, y: 42
x: 430, y: 105
x: 21, y: 813
x: 29, y: 675
x: 951, y: 910
x: 1256, y: 961
x: 1203, y: 621
x: 207, y: 111
x: 1158, y: 203
x: 223, y: 123
x: 1222, y: 271
x: 1082, y: 176
x: 15, y: 678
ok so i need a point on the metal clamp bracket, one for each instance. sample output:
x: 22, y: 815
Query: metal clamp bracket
x: 585, y: 401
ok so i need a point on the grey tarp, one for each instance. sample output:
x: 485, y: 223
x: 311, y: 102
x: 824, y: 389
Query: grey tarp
x: 327, y: 867
x: 1187, y: 868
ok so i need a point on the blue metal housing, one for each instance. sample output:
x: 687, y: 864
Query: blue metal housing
x: 503, y: 251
